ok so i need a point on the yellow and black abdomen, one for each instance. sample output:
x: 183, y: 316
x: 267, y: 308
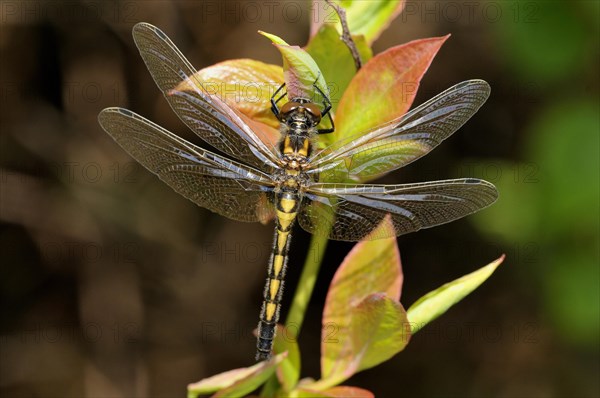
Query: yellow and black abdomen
x: 287, y: 204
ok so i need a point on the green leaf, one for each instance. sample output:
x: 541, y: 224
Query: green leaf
x: 301, y: 74
x: 368, y: 18
x: 274, y: 38
x: 236, y: 382
x: 380, y: 330
x: 335, y: 60
x: 384, y: 88
x: 436, y: 302
x: 288, y: 371
x: 372, y: 266
x: 300, y: 71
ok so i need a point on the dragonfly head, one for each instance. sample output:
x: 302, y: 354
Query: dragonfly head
x: 300, y: 110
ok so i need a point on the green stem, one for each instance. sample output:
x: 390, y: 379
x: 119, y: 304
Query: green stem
x: 306, y: 284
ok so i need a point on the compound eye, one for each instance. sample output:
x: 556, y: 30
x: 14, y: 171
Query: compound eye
x: 314, y: 111
x: 287, y: 108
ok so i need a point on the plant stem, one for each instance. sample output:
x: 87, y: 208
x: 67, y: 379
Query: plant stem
x: 346, y: 37
x: 306, y: 284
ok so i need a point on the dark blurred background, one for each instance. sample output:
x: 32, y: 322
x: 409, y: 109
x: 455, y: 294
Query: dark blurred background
x: 112, y: 285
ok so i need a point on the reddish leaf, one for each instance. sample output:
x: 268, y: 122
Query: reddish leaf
x: 348, y: 392
x: 378, y: 329
x: 335, y: 392
x: 236, y: 382
x: 373, y: 266
x: 385, y: 87
x: 245, y: 85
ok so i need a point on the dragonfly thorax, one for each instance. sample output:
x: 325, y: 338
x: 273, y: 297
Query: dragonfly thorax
x: 295, y: 150
x: 291, y: 180
x: 299, y: 121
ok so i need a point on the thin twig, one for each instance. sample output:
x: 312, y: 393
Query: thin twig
x: 346, y: 37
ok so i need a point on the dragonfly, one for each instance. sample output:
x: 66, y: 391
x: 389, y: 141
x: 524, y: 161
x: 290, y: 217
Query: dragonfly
x: 292, y: 182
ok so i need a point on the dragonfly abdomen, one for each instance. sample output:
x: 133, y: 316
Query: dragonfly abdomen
x: 287, y: 205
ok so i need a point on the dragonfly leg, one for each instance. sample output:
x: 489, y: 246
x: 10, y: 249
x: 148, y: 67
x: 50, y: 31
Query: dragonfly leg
x: 330, y: 130
x: 274, y: 107
x: 326, y: 111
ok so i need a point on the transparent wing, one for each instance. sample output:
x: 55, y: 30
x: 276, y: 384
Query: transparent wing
x: 401, y: 141
x: 207, y: 179
x: 206, y: 115
x: 351, y: 212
